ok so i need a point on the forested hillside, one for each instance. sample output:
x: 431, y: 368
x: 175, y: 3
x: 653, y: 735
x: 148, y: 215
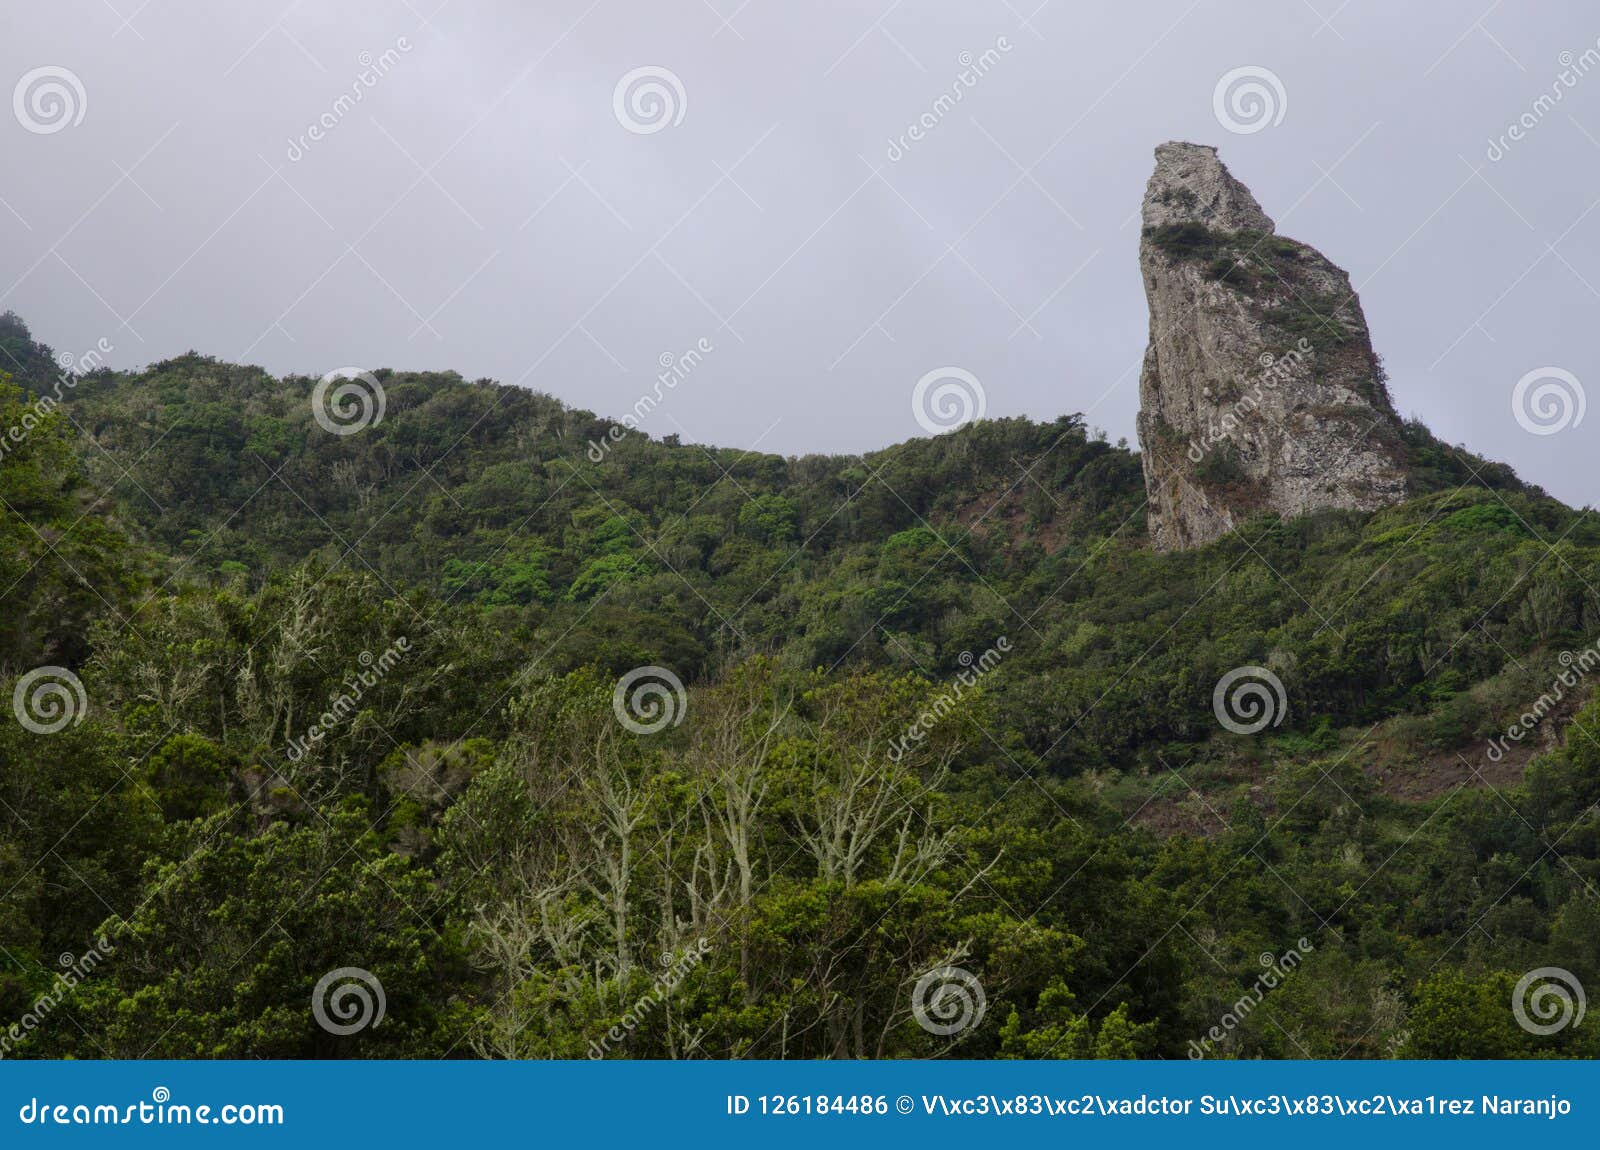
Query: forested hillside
x: 405, y: 698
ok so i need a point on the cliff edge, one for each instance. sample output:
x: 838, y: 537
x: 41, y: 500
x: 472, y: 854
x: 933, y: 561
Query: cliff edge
x: 1260, y: 389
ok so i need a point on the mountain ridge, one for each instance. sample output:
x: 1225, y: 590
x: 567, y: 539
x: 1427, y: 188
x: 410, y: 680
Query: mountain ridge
x: 816, y: 611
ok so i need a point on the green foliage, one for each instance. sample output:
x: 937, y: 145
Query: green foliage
x: 1185, y: 240
x: 1219, y: 468
x: 769, y: 519
x: 221, y: 956
x: 1455, y: 1014
x: 503, y: 580
x: 1318, y: 319
x: 351, y: 704
x: 60, y: 562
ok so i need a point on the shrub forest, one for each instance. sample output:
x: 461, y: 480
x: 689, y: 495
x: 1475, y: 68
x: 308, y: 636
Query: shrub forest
x: 407, y: 701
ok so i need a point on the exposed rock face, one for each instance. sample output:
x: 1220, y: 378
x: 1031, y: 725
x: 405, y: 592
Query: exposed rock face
x: 1260, y: 389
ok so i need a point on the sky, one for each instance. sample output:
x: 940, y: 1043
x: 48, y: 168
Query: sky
x: 566, y: 195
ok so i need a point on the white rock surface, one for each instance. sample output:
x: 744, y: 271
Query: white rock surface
x: 1260, y: 389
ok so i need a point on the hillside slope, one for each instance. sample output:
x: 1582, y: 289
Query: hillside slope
x: 361, y: 700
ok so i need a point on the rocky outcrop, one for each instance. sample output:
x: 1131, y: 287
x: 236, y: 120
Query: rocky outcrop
x: 1260, y: 389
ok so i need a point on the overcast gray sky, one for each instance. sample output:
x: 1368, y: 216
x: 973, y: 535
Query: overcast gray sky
x: 487, y: 206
